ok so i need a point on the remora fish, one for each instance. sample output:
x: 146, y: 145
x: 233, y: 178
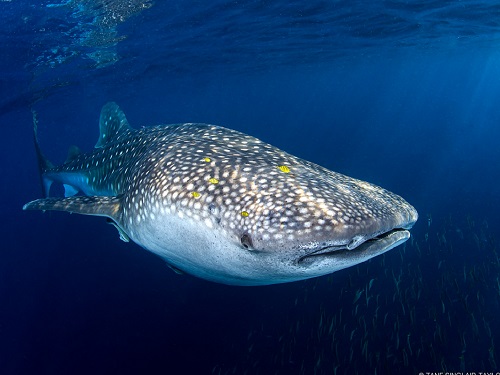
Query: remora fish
x: 225, y: 206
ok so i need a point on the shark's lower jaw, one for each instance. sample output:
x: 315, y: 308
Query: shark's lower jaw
x: 366, y: 250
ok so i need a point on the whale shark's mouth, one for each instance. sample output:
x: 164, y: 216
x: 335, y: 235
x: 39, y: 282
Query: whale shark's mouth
x: 362, y: 248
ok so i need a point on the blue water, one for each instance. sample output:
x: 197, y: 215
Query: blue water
x: 399, y: 93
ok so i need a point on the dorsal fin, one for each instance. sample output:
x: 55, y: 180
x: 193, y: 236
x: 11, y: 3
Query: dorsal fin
x: 112, y: 123
x: 73, y: 153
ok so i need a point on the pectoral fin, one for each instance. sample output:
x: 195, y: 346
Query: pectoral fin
x: 123, y: 235
x: 93, y: 205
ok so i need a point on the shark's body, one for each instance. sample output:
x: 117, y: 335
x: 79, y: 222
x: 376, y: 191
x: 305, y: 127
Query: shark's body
x: 226, y: 206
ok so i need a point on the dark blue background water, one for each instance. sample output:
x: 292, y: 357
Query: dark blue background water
x: 401, y: 94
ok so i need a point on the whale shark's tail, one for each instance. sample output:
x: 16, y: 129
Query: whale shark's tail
x: 43, y: 163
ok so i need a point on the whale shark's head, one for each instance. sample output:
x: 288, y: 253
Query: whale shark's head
x: 239, y: 211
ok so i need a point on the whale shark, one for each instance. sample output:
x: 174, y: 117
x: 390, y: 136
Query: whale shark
x: 223, y: 205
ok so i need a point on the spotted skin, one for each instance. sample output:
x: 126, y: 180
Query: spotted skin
x: 226, y: 206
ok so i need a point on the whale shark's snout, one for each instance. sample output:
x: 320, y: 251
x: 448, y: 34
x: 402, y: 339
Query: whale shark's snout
x: 374, y: 236
x: 311, y: 223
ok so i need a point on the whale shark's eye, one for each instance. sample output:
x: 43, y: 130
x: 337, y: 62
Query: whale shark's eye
x: 246, y: 241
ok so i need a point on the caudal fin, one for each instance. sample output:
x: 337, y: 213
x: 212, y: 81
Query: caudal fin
x: 43, y: 163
